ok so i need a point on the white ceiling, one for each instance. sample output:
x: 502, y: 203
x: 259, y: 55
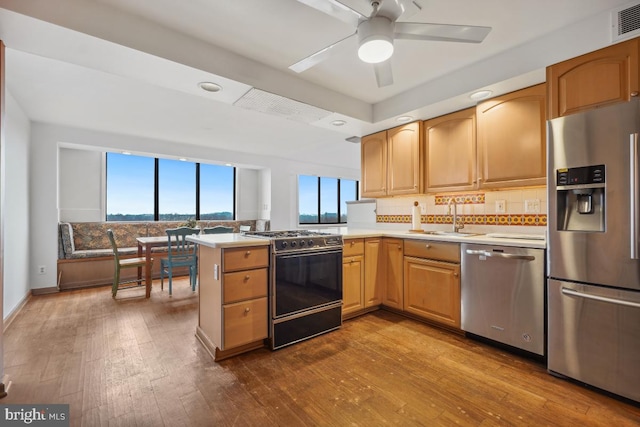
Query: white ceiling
x: 132, y: 67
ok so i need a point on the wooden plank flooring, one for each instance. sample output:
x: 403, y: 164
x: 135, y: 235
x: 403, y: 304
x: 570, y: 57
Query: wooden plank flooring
x: 136, y: 362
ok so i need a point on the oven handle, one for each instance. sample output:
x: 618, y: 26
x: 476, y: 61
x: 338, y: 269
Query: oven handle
x: 571, y: 292
x: 307, y: 252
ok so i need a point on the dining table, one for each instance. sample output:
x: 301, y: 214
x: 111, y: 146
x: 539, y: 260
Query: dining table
x: 145, y: 244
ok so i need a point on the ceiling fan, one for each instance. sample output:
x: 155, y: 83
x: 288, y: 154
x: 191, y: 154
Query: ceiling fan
x: 376, y: 33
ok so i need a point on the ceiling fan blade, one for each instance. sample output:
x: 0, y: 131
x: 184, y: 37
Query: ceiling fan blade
x: 337, y: 10
x: 316, y: 58
x: 440, y: 32
x: 384, y: 74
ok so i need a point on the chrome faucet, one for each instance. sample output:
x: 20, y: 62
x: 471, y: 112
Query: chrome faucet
x: 457, y: 226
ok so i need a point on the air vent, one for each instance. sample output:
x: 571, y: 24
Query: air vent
x: 266, y: 102
x: 625, y: 22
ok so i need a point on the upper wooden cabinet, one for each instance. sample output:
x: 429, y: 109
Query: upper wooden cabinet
x: 606, y: 76
x: 391, y: 162
x: 512, y: 139
x: 450, y: 151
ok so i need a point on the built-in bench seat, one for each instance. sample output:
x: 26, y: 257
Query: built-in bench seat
x: 85, y: 257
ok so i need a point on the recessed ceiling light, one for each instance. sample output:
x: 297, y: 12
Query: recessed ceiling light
x: 126, y: 153
x: 481, y: 94
x: 354, y: 139
x: 182, y: 159
x: 338, y: 123
x: 210, y: 86
x: 404, y: 119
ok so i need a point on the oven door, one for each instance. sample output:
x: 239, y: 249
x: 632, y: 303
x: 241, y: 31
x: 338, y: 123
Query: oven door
x: 305, y: 280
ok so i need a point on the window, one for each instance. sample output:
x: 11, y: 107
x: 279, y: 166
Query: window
x: 130, y: 187
x: 147, y: 189
x: 323, y: 200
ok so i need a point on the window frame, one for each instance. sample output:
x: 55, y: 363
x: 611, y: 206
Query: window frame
x: 156, y: 188
x: 319, y: 201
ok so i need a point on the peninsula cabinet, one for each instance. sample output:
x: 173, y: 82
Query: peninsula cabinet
x: 360, y: 276
x: 511, y: 134
x: 432, y: 281
x: 450, y: 151
x: 233, y: 314
x: 392, y: 275
x: 391, y: 162
x: 603, y: 77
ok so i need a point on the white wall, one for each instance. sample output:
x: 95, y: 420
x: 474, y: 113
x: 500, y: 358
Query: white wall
x: 272, y: 183
x: 81, y: 175
x: 16, y: 198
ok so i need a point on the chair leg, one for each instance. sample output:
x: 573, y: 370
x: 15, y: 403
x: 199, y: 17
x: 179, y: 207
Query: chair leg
x: 170, y: 274
x: 161, y: 277
x: 193, y: 276
x: 116, y: 282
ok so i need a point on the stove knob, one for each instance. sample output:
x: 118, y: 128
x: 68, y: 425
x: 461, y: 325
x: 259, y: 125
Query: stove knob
x: 294, y: 244
x: 310, y: 242
x: 283, y: 244
x: 302, y: 243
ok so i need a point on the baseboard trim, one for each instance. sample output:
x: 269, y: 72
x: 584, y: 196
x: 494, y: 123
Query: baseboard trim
x: 9, y: 319
x: 45, y: 291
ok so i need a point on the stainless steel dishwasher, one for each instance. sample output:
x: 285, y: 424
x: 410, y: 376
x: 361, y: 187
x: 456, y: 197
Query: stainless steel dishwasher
x: 502, y: 292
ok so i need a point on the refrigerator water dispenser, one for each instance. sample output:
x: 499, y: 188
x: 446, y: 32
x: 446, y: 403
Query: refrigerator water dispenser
x: 580, y: 198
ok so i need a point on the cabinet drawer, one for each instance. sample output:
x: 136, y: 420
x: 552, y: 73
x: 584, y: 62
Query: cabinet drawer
x: 245, y: 258
x: 353, y: 247
x: 432, y: 250
x: 245, y: 322
x: 246, y: 284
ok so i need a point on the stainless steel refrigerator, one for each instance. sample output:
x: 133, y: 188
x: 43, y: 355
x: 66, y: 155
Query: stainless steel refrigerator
x: 593, y: 248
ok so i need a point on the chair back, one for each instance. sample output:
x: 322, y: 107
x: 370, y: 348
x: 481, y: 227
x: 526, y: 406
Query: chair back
x: 218, y: 229
x: 114, y: 246
x: 178, y: 244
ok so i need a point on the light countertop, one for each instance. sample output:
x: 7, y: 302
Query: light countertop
x: 229, y: 240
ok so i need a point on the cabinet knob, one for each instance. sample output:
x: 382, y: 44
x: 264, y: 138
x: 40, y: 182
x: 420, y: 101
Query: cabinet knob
x: 246, y: 310
x: 634, y: 93
x: 399, y: 247
x: 353, y: 243
x: 455, y: 274
x: 247, y: 253
x: 427, y: 246
x: 247, y: 277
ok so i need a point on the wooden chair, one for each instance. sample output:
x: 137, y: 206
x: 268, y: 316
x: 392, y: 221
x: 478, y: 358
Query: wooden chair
x: 181, y: 254
x: 119, y: 264
x: 218, y: 229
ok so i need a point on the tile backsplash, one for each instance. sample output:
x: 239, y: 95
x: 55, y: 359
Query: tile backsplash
x: 520, y: 207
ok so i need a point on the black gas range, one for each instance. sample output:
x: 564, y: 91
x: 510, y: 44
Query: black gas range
x: 305, y: 289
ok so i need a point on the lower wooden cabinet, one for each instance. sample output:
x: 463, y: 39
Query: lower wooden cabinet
x: 233, y: 286
x: 360, y: 276
x: 432, y: 290
x: 392, y: 274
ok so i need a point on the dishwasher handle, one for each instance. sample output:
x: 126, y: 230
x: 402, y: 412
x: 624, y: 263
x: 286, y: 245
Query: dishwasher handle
x: 500, y: 255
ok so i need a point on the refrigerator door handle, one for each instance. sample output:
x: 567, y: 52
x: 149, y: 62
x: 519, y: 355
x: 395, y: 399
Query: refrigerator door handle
x: 571, y: 292
x: 633, y: 196
x: 500, y: 255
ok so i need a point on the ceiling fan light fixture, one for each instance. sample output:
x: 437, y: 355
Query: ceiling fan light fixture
x: 375, y: 40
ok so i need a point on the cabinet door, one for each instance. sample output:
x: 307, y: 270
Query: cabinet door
x: 372, y: 280
x: 404, y: 167
x: 392, y: 290
x: 374, y: 164
x: 512, y: 139
x: 432, y: 290
x: 450, y: 151
x: 606, y: 76
x: 352, y: 284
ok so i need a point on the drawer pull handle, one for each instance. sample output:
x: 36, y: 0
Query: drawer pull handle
x: 246, y: 310
x: 247, y: 277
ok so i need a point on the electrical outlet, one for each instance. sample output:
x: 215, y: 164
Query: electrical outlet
x: 42, y: 269
x: 501, y: 206
x: 532, y: 206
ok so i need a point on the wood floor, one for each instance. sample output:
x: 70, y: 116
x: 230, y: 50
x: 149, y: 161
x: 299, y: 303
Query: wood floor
x: 136, y: 362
